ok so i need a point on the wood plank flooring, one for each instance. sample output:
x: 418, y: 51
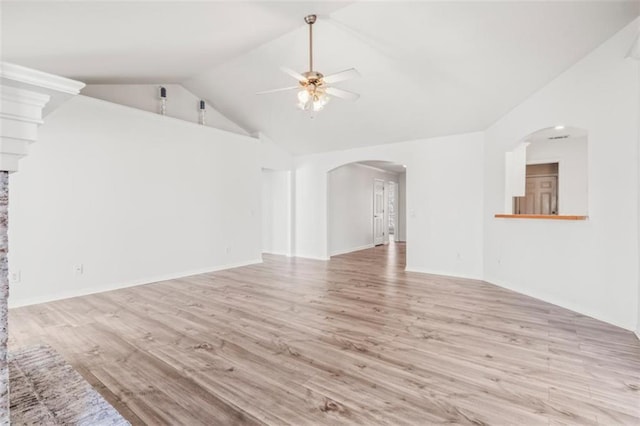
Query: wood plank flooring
x: 355, y: 340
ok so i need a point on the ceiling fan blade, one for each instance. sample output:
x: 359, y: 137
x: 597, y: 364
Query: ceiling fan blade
x: 283, y: 89
x: 341, y: 76
x: 340, y: 93
x: 294, y: 74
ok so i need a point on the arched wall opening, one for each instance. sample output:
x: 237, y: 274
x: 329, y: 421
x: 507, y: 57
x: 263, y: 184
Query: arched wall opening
x: 366, y: 206
x: 547, y: 173
x: 444, y: 208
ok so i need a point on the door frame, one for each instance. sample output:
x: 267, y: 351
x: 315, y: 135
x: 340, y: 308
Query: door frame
x: 395, y: 205
x: 384, y: 189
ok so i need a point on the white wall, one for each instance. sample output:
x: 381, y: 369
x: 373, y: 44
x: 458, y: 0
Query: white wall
x: 134, y: 197
x: 515, y: 173
x: 350, y: 206
x: 278, y: 208
x: 272, y: 155
x: 444, y: 201
x: 402, y: 207
x: 588, y: 266
x: 637, y: 46
x: 571, y: 154
x: 276, y: 212
x: 181, y: 103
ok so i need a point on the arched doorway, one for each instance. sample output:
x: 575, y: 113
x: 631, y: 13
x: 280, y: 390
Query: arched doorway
x: 547, y: 173
x: 366, y: 206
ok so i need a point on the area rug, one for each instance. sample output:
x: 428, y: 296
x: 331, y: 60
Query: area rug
x: 46, y: 390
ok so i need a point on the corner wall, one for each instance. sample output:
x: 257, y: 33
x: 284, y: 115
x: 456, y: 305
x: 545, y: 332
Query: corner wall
x: 638, y: 306
x: 112, y: 196
x: 276, y: 212
x: 588, y: 266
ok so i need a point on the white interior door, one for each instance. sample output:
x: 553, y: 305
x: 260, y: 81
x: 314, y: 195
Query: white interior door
x: 378, y: 212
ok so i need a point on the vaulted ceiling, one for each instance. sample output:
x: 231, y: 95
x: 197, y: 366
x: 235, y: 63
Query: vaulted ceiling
x: 428, y: 69
x: 141, y: 41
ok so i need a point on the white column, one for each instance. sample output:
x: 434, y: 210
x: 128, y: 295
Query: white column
x: 4, y: 296
x: 26, y: 96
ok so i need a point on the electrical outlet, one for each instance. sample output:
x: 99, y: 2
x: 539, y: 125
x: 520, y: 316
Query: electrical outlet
x: 15, y: 277
x: 78, y: 269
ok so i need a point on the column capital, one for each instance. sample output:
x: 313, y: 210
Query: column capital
x: 26, y: 96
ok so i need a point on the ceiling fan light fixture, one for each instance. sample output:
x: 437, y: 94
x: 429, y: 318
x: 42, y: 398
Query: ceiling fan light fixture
x: 318, y: 105
x: 314, y: 90
x: 303, y: 96
x: 305, y: 99
x: 312, y: 98
x: 320, y: 100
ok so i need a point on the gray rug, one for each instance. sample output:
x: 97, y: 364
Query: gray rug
x: 45, y: 390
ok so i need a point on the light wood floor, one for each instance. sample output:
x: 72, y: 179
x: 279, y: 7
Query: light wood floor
x: 352, y: 341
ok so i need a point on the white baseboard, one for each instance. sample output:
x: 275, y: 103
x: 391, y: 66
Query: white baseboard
x: 444, y: 274
x: 304, y: 256
x: 277, y: 253
x: 637, y: 333
x: 498, y: 283
x: 569, y: 306
x: 115, y: 286
x: 352, y: 249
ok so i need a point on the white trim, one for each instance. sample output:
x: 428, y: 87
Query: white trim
x: 576, y: 309
x: 384, y: 210
x: 352, y: 249
x: 277, y: 253
x: 45, y: 80
x: 23, y: 96
x: 570, y: 306
x: 637, y: 333
x: 324, y: 259
x: 23, y: 119
x: 116, y: 286
x: 441, y: 273
x: 16, y: 140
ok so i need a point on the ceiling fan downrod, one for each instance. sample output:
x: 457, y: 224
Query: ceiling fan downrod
x: 310, y: 20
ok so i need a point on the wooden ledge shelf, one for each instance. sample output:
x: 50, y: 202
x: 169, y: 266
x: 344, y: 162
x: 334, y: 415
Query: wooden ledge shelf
x: 540, y: 216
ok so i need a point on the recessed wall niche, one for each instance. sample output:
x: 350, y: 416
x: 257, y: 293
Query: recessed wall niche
x: 547, y: 174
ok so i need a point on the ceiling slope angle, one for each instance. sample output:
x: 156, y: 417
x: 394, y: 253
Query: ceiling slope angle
x: 107, y: 42
x: 427, y: 69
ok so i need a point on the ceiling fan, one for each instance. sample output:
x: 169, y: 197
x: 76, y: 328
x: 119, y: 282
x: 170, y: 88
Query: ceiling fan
x: 313, y: 87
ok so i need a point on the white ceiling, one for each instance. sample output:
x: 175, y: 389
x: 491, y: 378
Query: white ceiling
x: 142, y: 41
x: 428, y: 69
